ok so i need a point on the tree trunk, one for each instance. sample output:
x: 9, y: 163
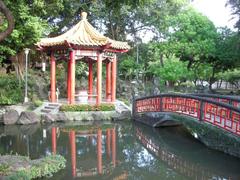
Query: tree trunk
x: 8, y: 14
x: 19, y: 64
x: 212, y: 80
x: 161, y: 60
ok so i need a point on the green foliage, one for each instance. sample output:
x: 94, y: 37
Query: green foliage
x: 40, y: 168
x: 28, y: 29
x: 128, y: 67
x: 173, y: 71
x: 4, y: 169
x: 37, y: 103
x: 235, y: 5
x: 231, y: 76
x: 11, y: 91
x: 203, y: 72
x: 193, y: 38
x: 87, y: 107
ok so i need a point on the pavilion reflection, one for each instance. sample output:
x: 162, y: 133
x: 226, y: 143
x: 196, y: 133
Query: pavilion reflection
x: 105, y: 137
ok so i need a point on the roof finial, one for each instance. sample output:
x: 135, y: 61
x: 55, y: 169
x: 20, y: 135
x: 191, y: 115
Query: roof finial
x: 84, y: 15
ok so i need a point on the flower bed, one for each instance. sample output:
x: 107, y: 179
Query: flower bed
x: 87, y: 107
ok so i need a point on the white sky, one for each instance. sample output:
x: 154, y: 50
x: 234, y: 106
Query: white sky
x: 216, y: 11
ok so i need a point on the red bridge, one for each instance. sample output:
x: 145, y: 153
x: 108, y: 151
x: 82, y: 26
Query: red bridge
x: 220, y: 111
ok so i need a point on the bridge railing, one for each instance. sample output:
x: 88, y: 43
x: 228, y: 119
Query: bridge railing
x: 219, y: 114
x: 232, y: 100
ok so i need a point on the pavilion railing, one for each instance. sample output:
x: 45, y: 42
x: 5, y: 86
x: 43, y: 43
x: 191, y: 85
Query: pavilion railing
x: 222, y: 115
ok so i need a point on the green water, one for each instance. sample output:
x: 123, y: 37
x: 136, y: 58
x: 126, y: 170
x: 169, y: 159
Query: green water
x: 120, y: 151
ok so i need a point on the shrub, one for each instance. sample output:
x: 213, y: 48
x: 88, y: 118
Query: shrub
x: 11, y: 90
x: 87, y: 107
x: 40, y: 168
x: 37, y: 103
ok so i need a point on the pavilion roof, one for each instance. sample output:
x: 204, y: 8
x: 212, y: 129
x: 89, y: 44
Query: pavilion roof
x: 83, y: 34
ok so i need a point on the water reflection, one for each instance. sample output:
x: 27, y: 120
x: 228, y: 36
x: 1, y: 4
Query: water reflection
x: 95, y: 136
x: 120, y: 151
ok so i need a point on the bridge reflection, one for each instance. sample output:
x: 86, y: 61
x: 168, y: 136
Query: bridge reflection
x: 184, y: 165
x: 109, y: 135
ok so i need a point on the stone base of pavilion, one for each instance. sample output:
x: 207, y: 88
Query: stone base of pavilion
x: 50, y: 113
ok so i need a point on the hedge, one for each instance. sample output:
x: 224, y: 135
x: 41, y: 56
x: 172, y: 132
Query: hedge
x: 87, y: 107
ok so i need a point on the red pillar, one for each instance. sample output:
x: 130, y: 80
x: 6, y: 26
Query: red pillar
x: 73, y: 152
x: 54, y: 141
x: 99, y: 79
x: 72, y: 76
x: 69, y: 83
x: 114, y: 147
x: 99, y: 151
x: 114, y: 79
x: 108, y: 143
x: 53, y: 78
x: 90, y: 79
x: 108, y: 81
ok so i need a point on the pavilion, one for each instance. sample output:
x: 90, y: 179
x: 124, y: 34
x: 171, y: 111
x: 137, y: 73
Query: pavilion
x: 83, y: 42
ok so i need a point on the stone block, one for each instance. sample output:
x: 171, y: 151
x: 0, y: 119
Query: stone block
x: 28, y: 118
x: 10, y: 117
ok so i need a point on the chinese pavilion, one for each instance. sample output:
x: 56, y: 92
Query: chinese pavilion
x: 83, y: 42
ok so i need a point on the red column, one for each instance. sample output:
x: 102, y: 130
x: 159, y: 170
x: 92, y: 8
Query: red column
x: 69, y: 83
x: 54, y: 141
x: 108, y: 81
x: 114, y: 79
x: 108, y: 143
x: 53, y: 78
x: 72, y: 76
x: 114, y: 147
x: 99, y: 79
x: 73, y: 152
x: 99, y: 151
x: 90, y: 79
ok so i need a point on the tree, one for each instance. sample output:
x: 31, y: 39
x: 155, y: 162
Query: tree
x: 10, y: 20
x: 192, y: 37
x: 174, y: 71
x: 235, y: 5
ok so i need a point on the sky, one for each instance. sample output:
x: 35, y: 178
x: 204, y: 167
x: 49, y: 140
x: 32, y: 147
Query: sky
x: 216, y: 11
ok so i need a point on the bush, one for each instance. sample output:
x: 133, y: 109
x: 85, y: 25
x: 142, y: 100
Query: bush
x: 37, y: 103
x: 87, y: 107
x: 44, y: 167
x: 11, y: 90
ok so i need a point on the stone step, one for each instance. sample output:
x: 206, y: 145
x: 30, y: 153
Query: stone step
x: 53, y: 104
x: 49, y: 107
x: 45, y: 110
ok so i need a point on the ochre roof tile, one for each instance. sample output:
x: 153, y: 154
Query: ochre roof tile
x: 83, y: 34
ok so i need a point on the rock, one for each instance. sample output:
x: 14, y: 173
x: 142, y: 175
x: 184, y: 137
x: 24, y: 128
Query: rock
x: 59, y: 117
x: 28, y: 118
x: 10, y: 117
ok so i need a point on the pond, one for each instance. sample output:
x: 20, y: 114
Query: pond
x: 122, y: 150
